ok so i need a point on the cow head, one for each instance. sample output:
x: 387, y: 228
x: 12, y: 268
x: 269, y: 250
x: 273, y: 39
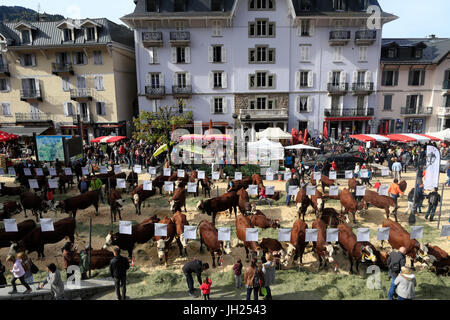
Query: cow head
x: 60, y: 205
x: 172, y: 205
x: 227, y: 247
x: 183, y: 240
x: 320, y: 204
x: 200, y: 206
x: 110, y: 240
x: 120, y: 202
x: 367, y: 254
x: 422, y: 253
x: 289, y: 256
x: 14, y: 249
x: 275, y: 223
x: 136, y: 199
x: 161, y: 247
x: 329, y: 250
x: 45, y: 206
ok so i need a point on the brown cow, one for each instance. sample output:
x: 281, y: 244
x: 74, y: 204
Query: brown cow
x: 238, y: 184
x: 210, y: 237
x: 211, y: 207
x: 352, y: 184
x: 158, y: 182
x: 23, y: 229
x: 332, y: 218
x: 139, y: 195
x: 399, y: 237
x: 243, y: 202
x: 11, y: 191
x: 350, y: 204
x: 382, y: 202
x: 163, y: 243
x: 440, y: 260
x: 303, y: 202
x: 257, y: 180
x: 258, y: 219
x: 116, y: 202
x: 178, y: 199
x: 81, y: 202
x: 356, y: 251
x: 9, y: 208
x: 133, y: 180
x: 34, y: 203
x: 180, y: 221
x: 322, y: 248
x: 403, y: 185
x: 242, y: 223
x: 297, y: 246
x: 99, y: 258
x: 36, y: 239
x: 327, y: 182
x: 317, y: 202
x: 276, y: 196
x: 140, y: 233
x: 274, y: 247
x: 206, y: 184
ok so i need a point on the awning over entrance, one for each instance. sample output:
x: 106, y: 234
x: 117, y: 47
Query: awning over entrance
x: 349, y: 119
x: 25, y: 131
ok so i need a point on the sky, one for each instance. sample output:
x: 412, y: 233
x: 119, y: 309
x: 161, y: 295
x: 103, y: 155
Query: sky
x: 417, y: 18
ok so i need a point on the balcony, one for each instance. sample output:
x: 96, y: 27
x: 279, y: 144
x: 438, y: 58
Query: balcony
x: 355, y: 112
x: 339, y: 88
x: 30, y: 95
x: 83, y: 119
x: 33, y: 117
x: 152, y: 39
x: 365, y: 37
x: 362, y: 88
x: 339, y: 37
x: 81, y: 95
x: 263, y: 114
x: 62, y: 69
x: 444, y: 111
x: 4, y: 70
x: 155, y: 93
x: 418, y: 111
x: 180, y: 38
x: 182, y: 92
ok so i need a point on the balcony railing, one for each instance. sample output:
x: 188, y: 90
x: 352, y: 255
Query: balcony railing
x: 362, y: 87
x: 152, y: 38
x: 182, y: 91
x: 339, y: 36
x: 337, y: 88
x: 365, y: 36
x: 33, y: 117
x: 30, y: 94
x: 417, y: 111
x: 84, y: 93
x: 58, y: 68
x: 444, y: 111
x: 446, y: 84
x: 180, y: 37
x: 155, y: 92
x: 263, y: 114
x: 4, y: 70
x: 354, y: 112
x: 83, y: 118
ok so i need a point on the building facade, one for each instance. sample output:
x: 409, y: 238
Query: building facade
x: 261, y: 63
x: 414, y: 82
x: 52, y: 71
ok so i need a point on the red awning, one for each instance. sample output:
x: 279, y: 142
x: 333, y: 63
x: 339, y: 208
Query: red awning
x: 370, y: 137
x: 401, y: 138
x: 108, y: 139
x: 429, y: 137
x: 111, y: 125
x: 349, y: 119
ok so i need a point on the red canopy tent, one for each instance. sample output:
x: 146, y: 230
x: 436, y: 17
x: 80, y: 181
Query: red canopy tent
x: 108, y: 139
x: 5, y: 136
x: 401, y: 138
x: 370, y: 137
x: 305, y: 138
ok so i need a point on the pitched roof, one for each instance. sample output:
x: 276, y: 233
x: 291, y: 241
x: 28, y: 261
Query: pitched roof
x: 436, y: 49
x: 48, y: 34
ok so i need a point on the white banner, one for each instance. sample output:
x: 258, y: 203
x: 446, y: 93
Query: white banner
x: 364, y: 173
x: 445, y: 232
x: 33, y: 184
x: 192, y: 187
x: 167, y: 172
x: 117, y: 169
x: 238, y: 176
x: 68, y: 171
x: 432, y: 171
x: 10, y: 225
x: 251, y: 234
x: 383, y: 234
x: 160, y: 230
x: 180, y: 173
x: 190, y: 232
x: 253, y: 190
x: 121, y: 184
x: 348, y: 174
x: 363, y: 235
x: 284, y: 235
x: 103, y: 170
x: 39, y: 172
x: 148, y: 185
x: 270, y: 190
x: 311, y: 235
x: 52, y: 171
x: 201, y: 174
x: 332, y: 175
x: 53, y: 183
x: 47, y: 225
x: 334, y: 190
x: 125, y: 227
x: 152, y: 170
x: 27, y: 171
x: 224, y: 234
x: 383, y: 190
x: 84, y: 171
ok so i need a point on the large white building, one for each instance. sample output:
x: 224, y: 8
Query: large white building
x: 260, y: 63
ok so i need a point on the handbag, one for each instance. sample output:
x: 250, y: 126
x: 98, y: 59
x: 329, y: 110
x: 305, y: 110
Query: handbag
x: 34, y: 269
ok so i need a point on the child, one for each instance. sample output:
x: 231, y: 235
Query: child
x: 377, y: 185
x: 237, y: 268
x: 206, y: 288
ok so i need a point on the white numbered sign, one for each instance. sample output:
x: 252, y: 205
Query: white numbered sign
x: 253, y: 190
x: 334, y: 190
x: 2, y: 172
x: 238, y: 176
x: 269, y: 176
x: 52, y: 171
x: 364, y: 173
x: 167, y: 172
x: 47, y: 225
x: 10, y: 225
x: 11, y: 171
x: 445, y: 232
x: 121, y: 184
x: 310, y: 190
x: 53, y: 183
x: 103, y: 170
x: 160, y: 230
x: 383, y: 234
x: 287, y: 176
x: 39, y: 172
x: 416, y: 232
x: 348, y: 174
x: 33, y: 184
x: 215, y: 175
x: 125, y: 227
x: 270, y: 190
x: 117, y: 169
x: 190, y: 232
x: 383, y: 190
x: 84, y: 171
x: 152, y: 170
x: 317, y: 176
x: 332, y: 235
x: 201, y: 174
x: 180, y: 173
x: 148, y: 185
x: 168, y: 186
x: 137, y: 169
x: 332, y: 175
x: 360, y: 191
x: 384, y: 172
x: 311, y: 235
x: 192, y: 187
x: 251, y: 234
x: 224, y: 234
x: 68, y: 171
x: 284, y: 235
x: 293, y: 190
x: 363, y: 235
x: 27, y: 171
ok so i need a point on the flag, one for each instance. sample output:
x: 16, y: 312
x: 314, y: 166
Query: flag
x: 432, y: 168
x: 305, y: 138
x: 325, y: 130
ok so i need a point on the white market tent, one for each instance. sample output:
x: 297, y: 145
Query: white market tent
x: 301, y: 146
x: 443, y: 135
x: 273, y: 150
x: 273, y: 134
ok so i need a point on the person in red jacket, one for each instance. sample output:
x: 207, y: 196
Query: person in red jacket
x: 206, y: 288
x: 262, y: 195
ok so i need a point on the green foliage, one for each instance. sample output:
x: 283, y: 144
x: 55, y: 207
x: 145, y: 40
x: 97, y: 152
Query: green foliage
x: 17, y: 13
x: 156, y: 127
x: 249, y: 169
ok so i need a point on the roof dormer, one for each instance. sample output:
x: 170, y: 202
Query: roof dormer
x: 417, y: 51
x: 26, y: 32
x: 91, y: 29
x: 67, y: 30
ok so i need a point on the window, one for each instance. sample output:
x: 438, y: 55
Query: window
x: 26, y: 36
x: 155, y: 81
x: 360, y: 102
x: 416, y: 78
x: 336, y: 78
x: 79, y: 58
x: 67, y: 34
x: 181, y: 80
x: 217, y: 29
x: 335, y: 102
x: 262, y: 80
x: 6, y: 109
x: 66, y: 84
x: 339, y: 5
x: 387, y: 102
x: 153, y: 55
x: 303, y: 105
x: 361, y: 77
x: 84, y: 108
x: 217, y: 53
x: 28, y: 60
x: 101, y: 108
x: 261, y: 103
x: 389, y: 78
x: 305, y: 53
x: 81, y: 82
x: 4, y: 84
x: 392, y: 53
x: 179, y: 25
x: 261, y: 54
x: 261, y: 28
x: 363, y: 52
x: 181, y: 55
x: 418, y: 53
x: 98, y: 57
x: 447, y: 101
x: 68, y: 109
x: 217, y: 80
x: 304, y: 78
x: 151, y: 5
x: 261, y: 4
x: 218, y: 105
x: 90, y: 34
x: 99, y: 83
x: 337, y: 57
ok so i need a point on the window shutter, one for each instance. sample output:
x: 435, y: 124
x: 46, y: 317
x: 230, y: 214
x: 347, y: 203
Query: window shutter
x: 297, y: 80
x: 299, y: 29
x: 341, y: 102
x: 88, y: 113
x: 22, y: 60
x: 149, y: 79
x: 174, y: 55
x: 420, y: 101
x: 355, y: 76
x: 225, y: 102
x: 66, y: 109
x: 310, y: 79
x: 335, y: 58
x: 37, y: 84
x: 211, y: 79
x: 366, y: 102
x: 210, y: 54
x: 33, y: 60
x: 188, y: 78
x: 410, y: 78
x: 343, y: 77
x: 330, y: 76
x: 224, y: 80
x: 368, y: 77
x: 297, y: 104
x: 312, y: 27
x: 307, y: 53
x: 422, y: 77
x: 175, y: 79
x: 310, y: 103
x: 58, y: 58
x: 151, y: 55
x: 383, y: 78
x: 302, y: 53
x: 408, y: 101
x: 161, y: 80
x: 330, y: 102
x: 103, y: 108
x: 211, y: 104
x: 155, y: 55
x: 224, y: 54
x: 187, y: 54
x: 396, y: 78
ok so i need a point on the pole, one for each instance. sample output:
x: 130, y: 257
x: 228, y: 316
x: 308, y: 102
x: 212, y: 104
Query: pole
x: 90, y: 246
x: 412, y: 216
x: 110, y: 206
x: 35, y: 149
x: 440, y: 206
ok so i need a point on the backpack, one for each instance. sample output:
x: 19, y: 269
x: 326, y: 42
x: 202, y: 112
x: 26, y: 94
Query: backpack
x: 434, y: 199
x: 395, y: 267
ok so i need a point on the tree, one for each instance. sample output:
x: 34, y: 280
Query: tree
x: 156, y: 127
